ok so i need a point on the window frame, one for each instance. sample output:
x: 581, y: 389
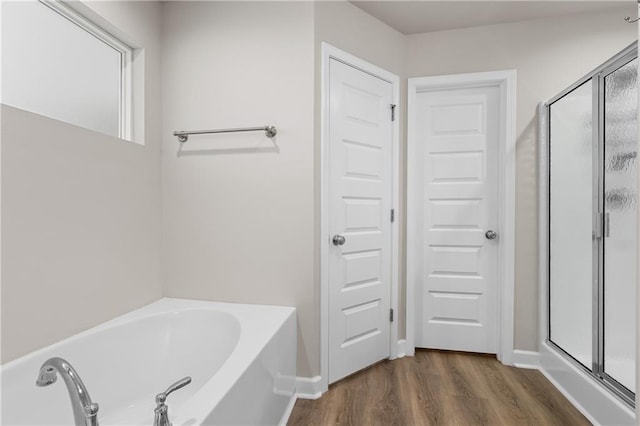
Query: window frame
x: 125, y: 125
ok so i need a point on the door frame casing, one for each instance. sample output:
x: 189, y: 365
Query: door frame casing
x: 330, y: 52
x: 506, y: 82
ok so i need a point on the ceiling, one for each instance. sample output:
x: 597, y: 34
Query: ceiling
x: 413, y: 17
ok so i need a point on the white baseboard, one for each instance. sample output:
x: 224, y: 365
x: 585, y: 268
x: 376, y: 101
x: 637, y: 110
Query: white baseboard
x: 526, y: 359
x: 308, y: 387
x: 311, y: 387
x: 401, y: 348
x: 288, y: 411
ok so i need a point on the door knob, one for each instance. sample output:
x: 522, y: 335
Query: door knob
x: 338, y: 240
x: 491, y: 235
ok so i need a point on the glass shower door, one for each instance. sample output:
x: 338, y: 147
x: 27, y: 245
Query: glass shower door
x: 571, y: 203
x: 593, y: 203
x: 620, y: 206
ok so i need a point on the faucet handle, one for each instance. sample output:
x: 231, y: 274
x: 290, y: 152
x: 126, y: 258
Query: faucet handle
x: 161, y: 397
x: 161, y: 412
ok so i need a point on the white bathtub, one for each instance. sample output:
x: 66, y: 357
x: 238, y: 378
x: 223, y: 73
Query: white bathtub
x: 241, y: 358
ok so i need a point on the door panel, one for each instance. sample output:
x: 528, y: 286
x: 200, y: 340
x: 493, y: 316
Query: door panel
x: 620, y: 207
x: 571, y: 242
x: 458, y: 129
x: 360, y: 203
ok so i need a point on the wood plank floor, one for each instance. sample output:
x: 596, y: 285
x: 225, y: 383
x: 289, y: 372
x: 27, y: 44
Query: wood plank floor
x: 440, y: 388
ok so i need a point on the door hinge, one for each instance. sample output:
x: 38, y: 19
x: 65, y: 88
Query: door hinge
x: 393, y: 112
x: 390, y: 315
x: 393, y: 215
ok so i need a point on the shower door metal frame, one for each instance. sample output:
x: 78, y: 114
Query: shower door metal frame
x: 626, y: 56
x: 597, y: 77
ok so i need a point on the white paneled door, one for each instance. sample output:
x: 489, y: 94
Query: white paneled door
x: 458, y: 133
x: 360, y: 161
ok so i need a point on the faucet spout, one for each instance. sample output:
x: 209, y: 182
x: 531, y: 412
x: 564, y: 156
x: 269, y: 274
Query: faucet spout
x: 85, y: 412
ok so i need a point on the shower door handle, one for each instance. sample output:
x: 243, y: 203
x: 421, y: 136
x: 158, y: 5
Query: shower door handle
x: 603, y: 229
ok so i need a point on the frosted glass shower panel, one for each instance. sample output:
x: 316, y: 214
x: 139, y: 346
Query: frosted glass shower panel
x: 620, y: 205
x: 570, y: 222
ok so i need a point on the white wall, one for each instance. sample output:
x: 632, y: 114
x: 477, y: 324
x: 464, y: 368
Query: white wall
x: 240, y: 220
x: 347, y: 27
x: 549, y: 54
x: 217, y: 65
x: 80, y: 210
x: 239, y: 208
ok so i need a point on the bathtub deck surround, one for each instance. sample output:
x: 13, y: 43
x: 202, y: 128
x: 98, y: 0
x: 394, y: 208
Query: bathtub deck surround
x: 234, y: 353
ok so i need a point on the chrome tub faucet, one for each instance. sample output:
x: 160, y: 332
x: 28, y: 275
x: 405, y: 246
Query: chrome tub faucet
x: 85, y: 412
x: 161, y: 417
